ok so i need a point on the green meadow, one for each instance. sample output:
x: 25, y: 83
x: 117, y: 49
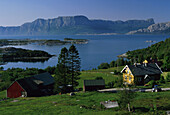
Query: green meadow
x: 86, y: 103
x: 104, y: 73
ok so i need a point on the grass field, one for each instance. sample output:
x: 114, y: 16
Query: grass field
x: 104, y: 73
x: 84, y: 103
x: 87, y: 103
x: 108, y: 77
x: 2, y: 94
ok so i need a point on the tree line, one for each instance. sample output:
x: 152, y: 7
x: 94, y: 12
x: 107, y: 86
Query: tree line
x: 118, y: 62
x: 159, y: 52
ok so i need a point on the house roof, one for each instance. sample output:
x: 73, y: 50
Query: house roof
x: 139, y: 70
x: 28, y: 84
x: 46, y: 78
x: 94, y: 82
x: 31, y: 83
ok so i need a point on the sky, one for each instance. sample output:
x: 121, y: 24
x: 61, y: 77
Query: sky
x: 18, y: 12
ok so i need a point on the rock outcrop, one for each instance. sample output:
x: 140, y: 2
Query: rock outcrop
x: 160, y: 28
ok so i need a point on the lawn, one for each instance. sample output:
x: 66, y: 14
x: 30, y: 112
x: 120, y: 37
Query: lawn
x: 84, y: 103
x: 2, y: 94
x: 104, y: 73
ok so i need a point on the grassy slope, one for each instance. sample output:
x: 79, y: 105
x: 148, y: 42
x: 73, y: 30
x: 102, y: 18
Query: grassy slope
x: 92, y: 74
x: 90, y: 103
x: 108, y: 77
x: 3, y: 94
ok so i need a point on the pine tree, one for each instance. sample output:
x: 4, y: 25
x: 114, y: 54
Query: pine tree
x: 74, y: 66
x: 62, y: 72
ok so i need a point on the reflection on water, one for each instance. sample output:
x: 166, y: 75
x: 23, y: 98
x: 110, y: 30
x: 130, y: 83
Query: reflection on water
x: 5, y: 61
x: 103, y: 48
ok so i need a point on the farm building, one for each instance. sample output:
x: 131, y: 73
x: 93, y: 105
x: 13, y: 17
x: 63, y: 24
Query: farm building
x: 141, y: 73
x: 37, y: 85
x: 93, y: 85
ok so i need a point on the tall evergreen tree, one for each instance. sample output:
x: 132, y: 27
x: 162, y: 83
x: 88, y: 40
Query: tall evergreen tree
x: 62, y: 72
x: 74, y: 65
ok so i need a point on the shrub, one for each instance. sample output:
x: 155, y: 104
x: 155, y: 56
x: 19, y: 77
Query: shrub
x: 110, y: 84
x: 115, y: 72
x: 98, y: 78
x: 151, y: 83
x: 118, y: 82
x: 162, y: 80
x: 168, y: 77
x: 93, y: 68
x: 125, y: 98
x: 104, y: 66
x: 112, y: 64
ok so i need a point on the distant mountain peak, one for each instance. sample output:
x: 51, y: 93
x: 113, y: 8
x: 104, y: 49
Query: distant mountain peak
x: 78, y: 24
x: 159, y: 28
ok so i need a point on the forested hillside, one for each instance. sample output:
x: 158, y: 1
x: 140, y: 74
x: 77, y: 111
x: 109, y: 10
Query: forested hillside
x: 160, y: 51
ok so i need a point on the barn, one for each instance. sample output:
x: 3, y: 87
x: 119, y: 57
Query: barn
x: 37, y: 85
x: 93, y: 85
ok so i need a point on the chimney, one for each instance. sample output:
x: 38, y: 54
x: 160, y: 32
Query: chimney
x: 145, y: 63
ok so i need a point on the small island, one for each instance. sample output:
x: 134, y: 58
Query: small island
x: 11, y: 54
x: 76, y: 41
x: 18, y: 42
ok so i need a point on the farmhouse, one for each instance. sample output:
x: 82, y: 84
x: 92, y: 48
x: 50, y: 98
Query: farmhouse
x: 141, y: 73
x: 93, y: 85
x: 37, y: 85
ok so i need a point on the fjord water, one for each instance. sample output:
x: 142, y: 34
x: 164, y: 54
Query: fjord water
x: 101, y: 48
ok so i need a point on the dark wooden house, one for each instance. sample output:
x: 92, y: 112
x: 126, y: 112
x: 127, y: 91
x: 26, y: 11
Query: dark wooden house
x: 141, y: 73
x: 93, y: 85
x: 37, y: 85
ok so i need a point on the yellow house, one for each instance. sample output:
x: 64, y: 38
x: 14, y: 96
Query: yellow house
x: 141, y: 74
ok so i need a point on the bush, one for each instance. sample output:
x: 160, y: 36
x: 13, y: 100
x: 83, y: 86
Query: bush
x: 118, y: 82
x: 104, y: 66
x: 125, y: 97
x: 151, y: 83
x: 112, y: 64
x: 1, y: 68
x: 110, y: 84
x: 93, y: 68
x: 50, y: 70
x: 168, y: 77
x: 98, y: 78
x: 162, y: 80
x: 115, y: 72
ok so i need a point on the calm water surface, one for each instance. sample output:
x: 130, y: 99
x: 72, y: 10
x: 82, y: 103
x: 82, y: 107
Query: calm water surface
x: 101, y: 48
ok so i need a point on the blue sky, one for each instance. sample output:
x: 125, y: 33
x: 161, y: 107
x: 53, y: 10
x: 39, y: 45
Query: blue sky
x: 17, y: 12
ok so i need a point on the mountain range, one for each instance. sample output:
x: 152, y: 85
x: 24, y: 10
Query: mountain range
x: 72, y: 25
x: 159, y: 28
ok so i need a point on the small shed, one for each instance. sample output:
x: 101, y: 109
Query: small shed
x: 93, y: 85
x: 37, y: 85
